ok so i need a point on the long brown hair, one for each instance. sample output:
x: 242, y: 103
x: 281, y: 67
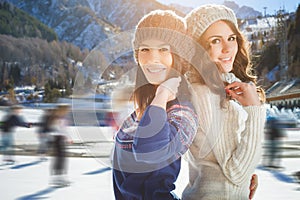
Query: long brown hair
x: 242, y: 66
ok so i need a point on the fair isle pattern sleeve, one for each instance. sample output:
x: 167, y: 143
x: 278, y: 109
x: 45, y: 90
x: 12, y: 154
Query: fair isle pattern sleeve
x: 185, y: 120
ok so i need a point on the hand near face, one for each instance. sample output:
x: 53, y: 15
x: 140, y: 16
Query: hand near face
x: 169, y: 88
x: 244, y: 93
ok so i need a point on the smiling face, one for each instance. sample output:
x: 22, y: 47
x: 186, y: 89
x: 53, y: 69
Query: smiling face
x: 222, y: 46
x: 155, y: 60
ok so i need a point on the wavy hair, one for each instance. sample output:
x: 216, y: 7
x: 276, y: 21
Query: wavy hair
x: 242, y: 66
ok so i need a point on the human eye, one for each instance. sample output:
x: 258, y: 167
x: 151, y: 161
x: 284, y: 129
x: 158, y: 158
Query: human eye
x: 215, y: 41
x: 144, y: 49
x: 232, y: 38
x: 164, y: 49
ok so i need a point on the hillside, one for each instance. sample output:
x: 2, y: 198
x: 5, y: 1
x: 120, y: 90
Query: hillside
x: 18, y: 23
x: 86, y: 23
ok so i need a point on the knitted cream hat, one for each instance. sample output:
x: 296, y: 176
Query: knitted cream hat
x: 167, y: 26
x: 199, y: 19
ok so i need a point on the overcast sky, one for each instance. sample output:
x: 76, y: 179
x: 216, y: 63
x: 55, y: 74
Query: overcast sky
x: 272, y: 5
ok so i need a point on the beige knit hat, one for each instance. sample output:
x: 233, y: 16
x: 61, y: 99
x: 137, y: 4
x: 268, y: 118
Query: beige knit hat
x: 167, y: 26
x: 199, y: 19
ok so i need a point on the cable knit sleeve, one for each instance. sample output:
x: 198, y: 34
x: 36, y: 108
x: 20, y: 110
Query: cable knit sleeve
x: 238, y: 149
x: 202, y: 102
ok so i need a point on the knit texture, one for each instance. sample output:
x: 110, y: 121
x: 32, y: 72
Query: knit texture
x: 229, y: 77
x: 158, y: 131
x: 167, y: 26
x: 202, y: 17
x: 221, y: 164
x: 147, y: 154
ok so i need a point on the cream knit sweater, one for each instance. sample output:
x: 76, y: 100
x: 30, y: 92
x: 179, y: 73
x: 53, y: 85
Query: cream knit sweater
x: 226, y: 149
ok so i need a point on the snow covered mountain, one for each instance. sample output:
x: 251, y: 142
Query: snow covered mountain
x: 244, y: 12
x: 85, y: 23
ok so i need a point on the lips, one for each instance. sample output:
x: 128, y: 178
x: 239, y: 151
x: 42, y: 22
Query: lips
x: 155, y: 68
x: 227, y: 59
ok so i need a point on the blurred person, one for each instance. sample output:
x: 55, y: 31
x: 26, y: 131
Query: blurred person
x: 44, y: 133
x: 60, y: 136
x: 274, y: 136
x: 230, y: 109
x: 296, y: 176
x: 151, y: 140
x: 11, y: 121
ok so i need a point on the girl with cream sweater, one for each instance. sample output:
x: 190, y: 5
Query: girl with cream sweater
x: 227, y: 146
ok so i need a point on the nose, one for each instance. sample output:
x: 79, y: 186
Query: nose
x: 226, y: 46
x: 155, y: 55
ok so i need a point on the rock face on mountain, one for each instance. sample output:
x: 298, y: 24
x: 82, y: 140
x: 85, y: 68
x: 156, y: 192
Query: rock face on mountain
x: 244, y: 12
x: 85, y: 23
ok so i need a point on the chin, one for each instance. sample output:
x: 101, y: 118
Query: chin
x: 227, y: 69
x: 156, y: 80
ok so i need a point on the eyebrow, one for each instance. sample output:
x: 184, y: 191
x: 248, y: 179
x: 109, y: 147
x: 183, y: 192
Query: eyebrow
x: 219, y: 36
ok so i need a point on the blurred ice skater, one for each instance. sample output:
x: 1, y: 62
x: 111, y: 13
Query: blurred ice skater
x: 44, y: 133
x: 12, y: 120
x: 60, y: 138
x: 274, y: 136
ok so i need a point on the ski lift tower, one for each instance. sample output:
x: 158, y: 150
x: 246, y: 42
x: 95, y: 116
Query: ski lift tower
x: 282, y: 39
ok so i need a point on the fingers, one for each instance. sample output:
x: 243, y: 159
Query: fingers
x: 234, y: 91
x: 169, y: 88
x: 251, y: 195
x: 240, y: 87
x: 253, y: 186
x: 254, y: 181
x: 244, y: 93
x: 172, y: 84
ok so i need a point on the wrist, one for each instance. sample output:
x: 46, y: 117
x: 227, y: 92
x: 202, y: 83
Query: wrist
x: 162, y: 93
x: 160, y: 99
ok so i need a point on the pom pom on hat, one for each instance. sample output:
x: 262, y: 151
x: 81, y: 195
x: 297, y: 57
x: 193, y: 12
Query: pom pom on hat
x: 199, y: 19
x: 167, y: 26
